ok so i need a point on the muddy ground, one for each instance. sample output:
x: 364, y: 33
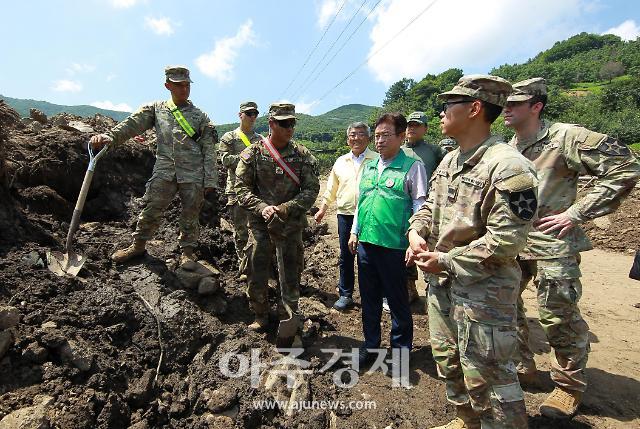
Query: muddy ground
x: 86, y: 349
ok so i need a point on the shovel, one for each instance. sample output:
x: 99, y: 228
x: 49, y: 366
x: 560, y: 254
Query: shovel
x: 69, y: 263
x: 287, y: 328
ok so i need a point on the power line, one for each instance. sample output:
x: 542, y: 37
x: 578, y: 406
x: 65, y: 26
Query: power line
x: 377, y: 51
x: 340, y: 49
x: 293, y: 96
x: 315, y: 47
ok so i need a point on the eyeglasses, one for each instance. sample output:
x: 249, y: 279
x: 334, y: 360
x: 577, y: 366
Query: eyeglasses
x: 384, y: 136
x: 446, y: 104
x: 251, y: 113
x: 286, y: 123
x: 361, y: 134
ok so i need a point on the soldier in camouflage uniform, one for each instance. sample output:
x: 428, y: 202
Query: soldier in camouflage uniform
x: 184, y: 164
x: 430, y: 155
x: 467, y: 235
x: 561, y: 153
x: 231, y: 144
x: 270, y: 194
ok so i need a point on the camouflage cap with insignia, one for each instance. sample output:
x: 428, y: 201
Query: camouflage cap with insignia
x: 177, y: 74
x: 527, y: 89
x: 281, y: 111
x: 248, y: 106
x: 418, y: 117
x: 492, y: 89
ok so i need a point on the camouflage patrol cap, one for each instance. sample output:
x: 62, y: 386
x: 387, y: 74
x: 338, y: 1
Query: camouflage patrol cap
x: 418, y: 117
x: 282, y: 111
x: 248, y: 106
x: 527, y: 89
x: 448, y: 143
x: 177, y: 74
x: 492, y: 89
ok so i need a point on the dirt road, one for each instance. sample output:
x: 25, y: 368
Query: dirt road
x: 611, y: 306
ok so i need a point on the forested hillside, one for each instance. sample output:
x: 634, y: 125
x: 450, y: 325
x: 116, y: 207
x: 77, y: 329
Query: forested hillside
x: 22, y: 106
x: 593, y: 81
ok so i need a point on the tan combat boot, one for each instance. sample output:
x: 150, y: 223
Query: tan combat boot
x: 561, y: 403
x: 187, y: 255
x: 412, y: 290
x: 137, y: 248
x: 260, y: 324
x: 467, y: 419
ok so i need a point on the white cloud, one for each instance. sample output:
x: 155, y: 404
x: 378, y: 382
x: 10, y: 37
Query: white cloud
x: 328, y: 8
x: 219, y: 63
x: 109, y: 105
x: 123, y: 4
x: 628, y: 30
x: 480, y: 37
x: 110, y: 77
x: 306, y: 108
x: 161, y: 26
x: 65, y: 85
x: 80, y: 68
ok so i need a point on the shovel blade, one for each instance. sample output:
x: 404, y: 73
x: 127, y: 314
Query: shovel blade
x: 65, y: 264
x: 287, y: 330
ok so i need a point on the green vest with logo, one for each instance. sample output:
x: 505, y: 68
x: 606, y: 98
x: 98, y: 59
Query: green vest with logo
x: 384, y: 207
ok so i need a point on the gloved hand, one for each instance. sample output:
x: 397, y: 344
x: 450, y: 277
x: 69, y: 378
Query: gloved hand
x: 283, y: 211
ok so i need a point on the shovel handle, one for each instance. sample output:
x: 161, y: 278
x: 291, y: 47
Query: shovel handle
x: 94, y: 157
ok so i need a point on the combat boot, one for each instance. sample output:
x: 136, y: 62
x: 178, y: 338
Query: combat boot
x: 467, y: 419
x: 561, y: 403
x: 260, y: 324
x: 187, y: 255
x: 137, y: 248
x: 412, y: 290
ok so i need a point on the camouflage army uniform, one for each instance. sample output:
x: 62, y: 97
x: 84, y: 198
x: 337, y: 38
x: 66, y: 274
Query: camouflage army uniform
x: 182, y: 165
x: 229, y: 149
x: 430, y: 155
x: 561, y: 153
x: 260, y: 182
x: 472, y: 216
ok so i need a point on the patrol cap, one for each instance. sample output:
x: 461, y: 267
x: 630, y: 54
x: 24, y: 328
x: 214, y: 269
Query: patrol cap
x: 248, y: 106
x: 418, y: 117
x: 527, y: 89
x: 448, y: 142
x: 282, y: 111
x: 492, y: 89
x: 177, y: 74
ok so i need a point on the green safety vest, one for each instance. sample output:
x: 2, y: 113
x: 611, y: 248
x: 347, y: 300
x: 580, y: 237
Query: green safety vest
x: 384, y: 208
x: 184, y: 124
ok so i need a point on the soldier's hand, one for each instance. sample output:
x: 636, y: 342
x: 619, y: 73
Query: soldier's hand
x: 416, y: 243
x: 269, y: 211
x: 409, y: 257
x: 99, y: 140
x: 353, y: 243
x: 428, y: 262
x: 552, y: 223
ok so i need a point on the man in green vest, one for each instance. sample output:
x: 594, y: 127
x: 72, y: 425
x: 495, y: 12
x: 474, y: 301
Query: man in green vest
x: 430, y: 155
x: 185, y: 162
x: 231, y: 144
x: 391, y: 189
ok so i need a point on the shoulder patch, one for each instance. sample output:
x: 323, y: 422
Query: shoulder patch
x: 613, y: 147
x: 245, y: 155
x: 523, y: 204
x: 517, y: 183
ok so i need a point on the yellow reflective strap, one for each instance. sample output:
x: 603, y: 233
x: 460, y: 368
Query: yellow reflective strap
x: 244, y: 138
x: 184, y: 124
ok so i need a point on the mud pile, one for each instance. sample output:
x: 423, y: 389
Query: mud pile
x: 86, y: 349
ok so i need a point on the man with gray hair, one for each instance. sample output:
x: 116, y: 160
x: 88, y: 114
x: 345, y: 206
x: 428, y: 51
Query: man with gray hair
x: 342, y: 187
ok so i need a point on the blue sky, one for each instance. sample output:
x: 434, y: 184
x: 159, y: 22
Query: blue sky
x: 112, y: 53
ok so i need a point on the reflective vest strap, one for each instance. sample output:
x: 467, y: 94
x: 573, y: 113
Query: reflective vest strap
x: 244, y: 138
x: 184, y: 124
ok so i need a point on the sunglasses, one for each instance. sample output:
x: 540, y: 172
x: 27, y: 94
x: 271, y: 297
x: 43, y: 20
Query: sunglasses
x: 251, y: 113
x: 446, y: 104
x: 286, y: 123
